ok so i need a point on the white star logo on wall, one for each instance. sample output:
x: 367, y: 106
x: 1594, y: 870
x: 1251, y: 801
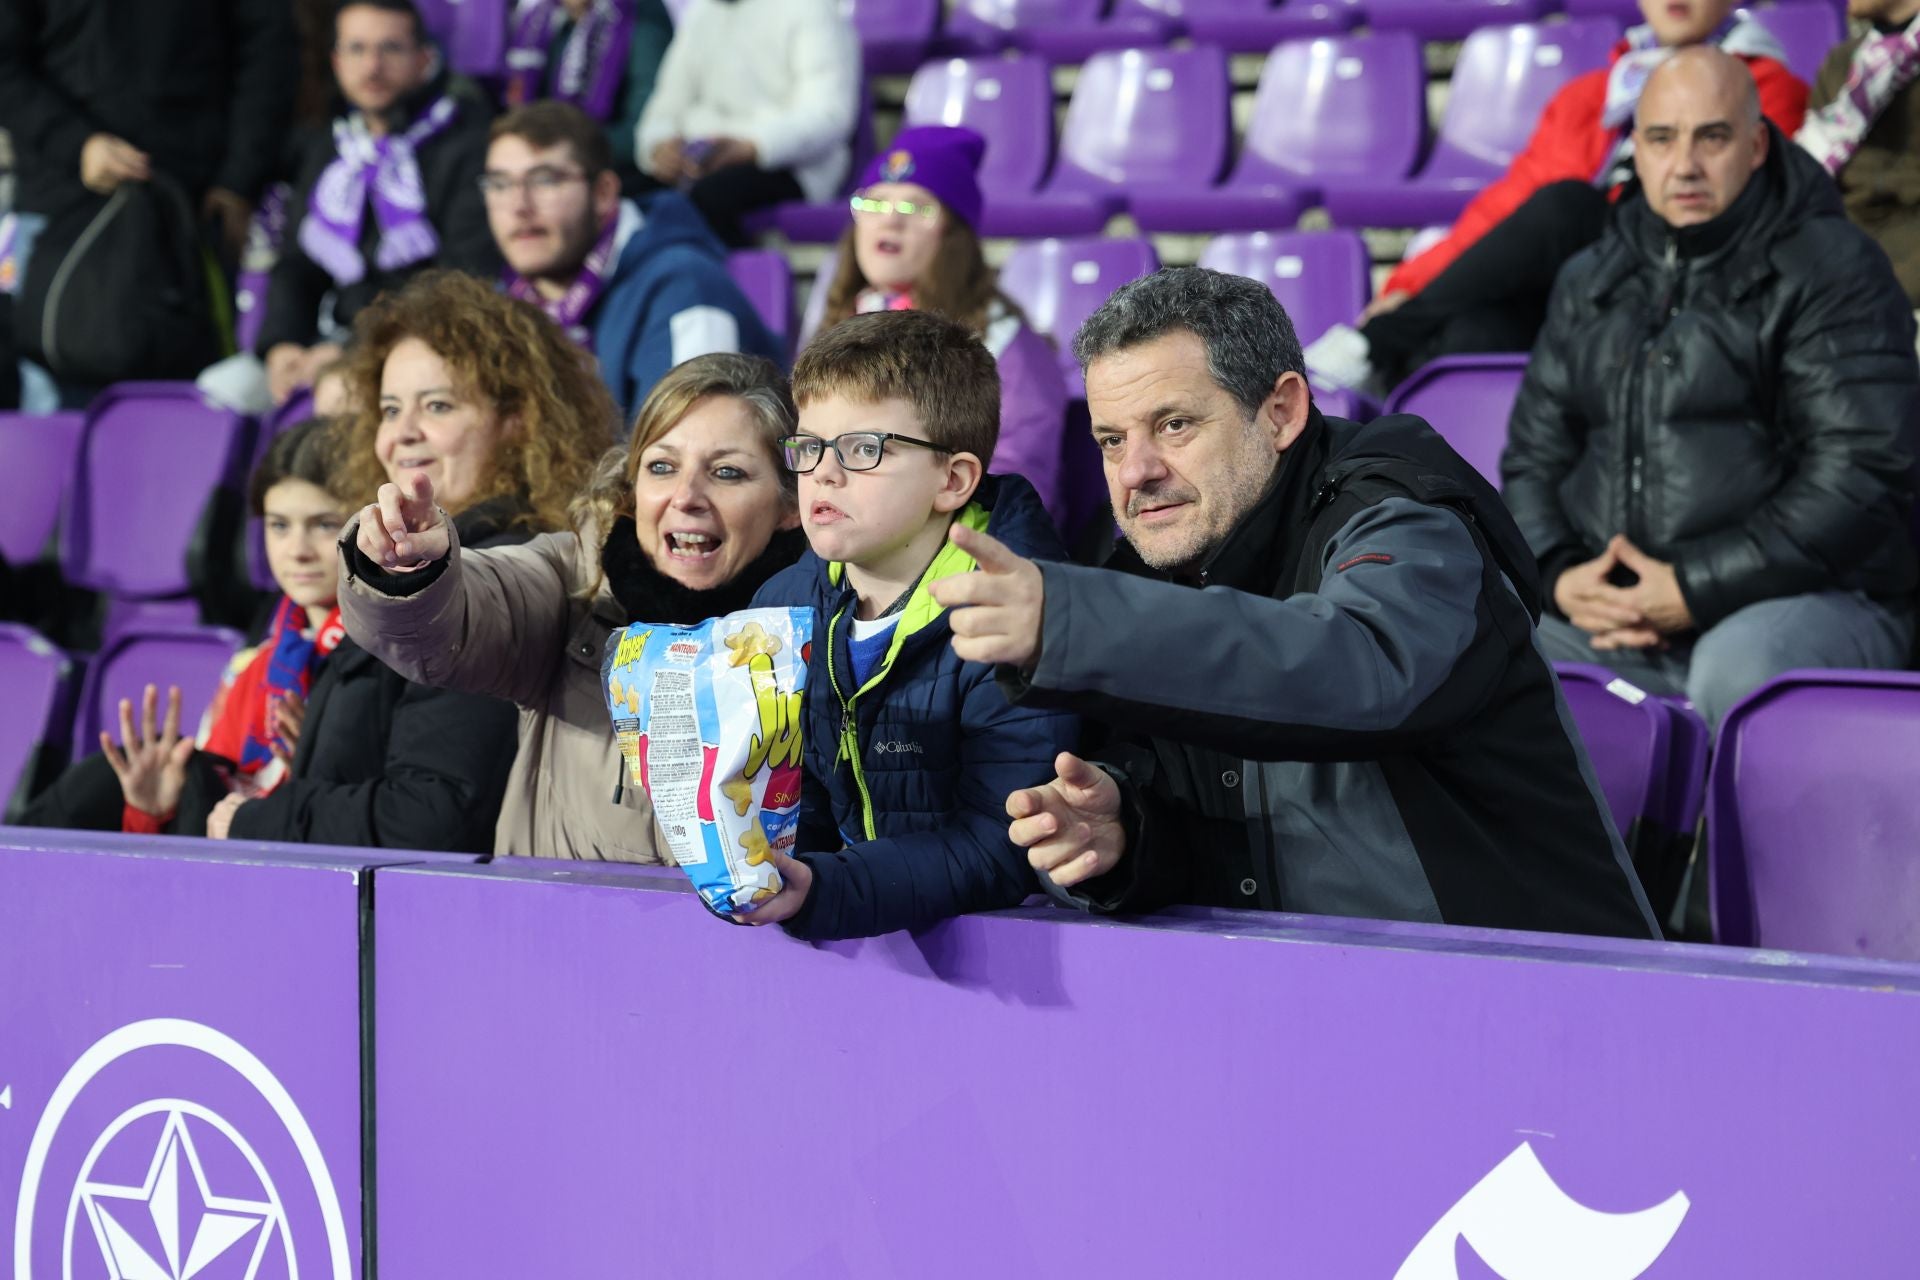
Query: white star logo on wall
x: 172, y: 1226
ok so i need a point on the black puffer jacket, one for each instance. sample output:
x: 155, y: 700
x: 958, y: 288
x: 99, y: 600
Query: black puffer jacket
x: 1739, y: 398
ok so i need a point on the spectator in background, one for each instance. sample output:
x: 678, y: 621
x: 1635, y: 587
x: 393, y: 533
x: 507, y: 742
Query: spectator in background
x: 1863, y: 126
x: 643, y: 285
x: 914, y: 244
x: 158, y: 779
x: 386, y: 191
x: 755, y: 105
x: 96, y: 93
x: 1712, y: 449
x: 601, y: 56
x: 1484, y: 286
x: 681, y: 524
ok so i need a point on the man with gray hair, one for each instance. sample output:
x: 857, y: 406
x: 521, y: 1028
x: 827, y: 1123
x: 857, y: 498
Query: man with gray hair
x: 1314, y: 652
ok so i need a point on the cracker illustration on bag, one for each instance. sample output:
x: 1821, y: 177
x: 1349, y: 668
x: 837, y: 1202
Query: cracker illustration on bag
x: 708, y: 721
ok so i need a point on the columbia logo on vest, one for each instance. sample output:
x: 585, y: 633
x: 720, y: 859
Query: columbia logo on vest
x: 898, y: 748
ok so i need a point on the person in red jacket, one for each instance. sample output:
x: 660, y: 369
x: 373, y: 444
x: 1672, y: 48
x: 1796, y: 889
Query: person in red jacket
x: 1484, y: 286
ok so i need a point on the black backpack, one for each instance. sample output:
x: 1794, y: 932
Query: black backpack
x: 118, y: 288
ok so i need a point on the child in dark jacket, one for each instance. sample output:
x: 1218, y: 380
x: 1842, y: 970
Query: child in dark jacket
x: 910, y: 751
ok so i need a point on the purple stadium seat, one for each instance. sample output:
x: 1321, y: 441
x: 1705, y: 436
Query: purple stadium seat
x: 1650, y: 756
x: 1141, y: 121
x: 1811, y: 814
x: 815, y: 308
x: 33, y: 678
x: 894, y: 34
x: 472, y: 33
x: 1060, y: 30
x: 151, y: 456
x: 1335, y: 108
x: 298, y: 408
x: 1452, y: 19
x: 36, y: 457
x: 1624, y: 12
x: 1628, y: 735
x: 1007, y: 101
x: 250, y: 306
x: 1251, y: 26
x: 191, y: 657
x: 1808, y: 31
x: 1468, y: 400
x: 1321, y: 277
x: 767, y: 280
x: 1059, y: 283
x: 1502, y: 82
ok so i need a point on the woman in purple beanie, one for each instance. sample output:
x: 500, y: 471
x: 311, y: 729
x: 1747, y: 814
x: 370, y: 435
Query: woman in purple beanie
x: 913, y: 245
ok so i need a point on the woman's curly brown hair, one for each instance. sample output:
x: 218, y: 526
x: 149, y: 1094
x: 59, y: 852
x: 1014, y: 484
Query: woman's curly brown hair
x: 505, y: 354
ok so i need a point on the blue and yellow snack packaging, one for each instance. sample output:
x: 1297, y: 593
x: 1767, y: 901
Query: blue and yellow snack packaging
x: 708, y: 721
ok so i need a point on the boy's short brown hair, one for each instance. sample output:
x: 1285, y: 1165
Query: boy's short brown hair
x: 933, y: 364
x: 549, y: 123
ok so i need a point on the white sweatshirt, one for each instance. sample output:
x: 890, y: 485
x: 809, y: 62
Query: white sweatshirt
x: 782, y: 74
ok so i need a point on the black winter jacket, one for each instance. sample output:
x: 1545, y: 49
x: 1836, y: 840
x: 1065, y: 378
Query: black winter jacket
x: 1739, y: 398
x: 205, y: 87
x: 450, y: 166
x: 384, y: 763
x: 1349, y: 716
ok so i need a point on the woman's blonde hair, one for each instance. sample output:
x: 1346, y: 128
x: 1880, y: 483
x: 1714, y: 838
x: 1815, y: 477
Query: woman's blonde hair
x: 753, y: 380
x: 505, y: 353
x: 958, y: 283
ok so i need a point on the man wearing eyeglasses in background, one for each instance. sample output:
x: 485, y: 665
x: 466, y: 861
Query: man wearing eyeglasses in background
x: 643, y: 285
x: 388, y: 189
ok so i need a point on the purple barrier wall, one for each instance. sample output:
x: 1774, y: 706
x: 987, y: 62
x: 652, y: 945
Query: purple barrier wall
x: 180, y: 1044
x: 579, y: 1072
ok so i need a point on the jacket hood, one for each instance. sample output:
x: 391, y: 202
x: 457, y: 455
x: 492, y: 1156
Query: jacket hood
x: 668, y: 220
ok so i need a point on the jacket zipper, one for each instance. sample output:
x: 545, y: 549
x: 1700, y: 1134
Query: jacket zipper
x: 850, y: 731
x: 1637, y: 392
x: 68, y: 264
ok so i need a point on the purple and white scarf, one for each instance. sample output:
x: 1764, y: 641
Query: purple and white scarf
x: 1881, y: 67
x: 592, y: 62
x: 388, y: 168
x: 570, y: 309
x: 1644, y: 53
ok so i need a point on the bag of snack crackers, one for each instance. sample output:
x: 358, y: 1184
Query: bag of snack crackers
x: 708, y: 721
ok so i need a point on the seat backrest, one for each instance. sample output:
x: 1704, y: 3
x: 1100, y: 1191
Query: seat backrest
x: 191, y: 657
x: 764, y: 276
x: 1502, y: 82
x: 36, y: 457
x: 1007, y: 101
x: 816, y: 306
x: 1628, y: 736
x: 151, y: 456
x: 1807, y: 31
x: 33, y: 675
x: 1146, y: 117
x: 1348, y: 105
x: 1468, y: 400
x: 1016, y: 15
x: 1059, y: 283
x: 472, y: 33
x: 1322, y: 278
x: 892, y: 19
x: 1811, y: 814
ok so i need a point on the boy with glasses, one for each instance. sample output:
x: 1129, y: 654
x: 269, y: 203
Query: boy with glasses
x: 910, y: 751
x: 644, y: 285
